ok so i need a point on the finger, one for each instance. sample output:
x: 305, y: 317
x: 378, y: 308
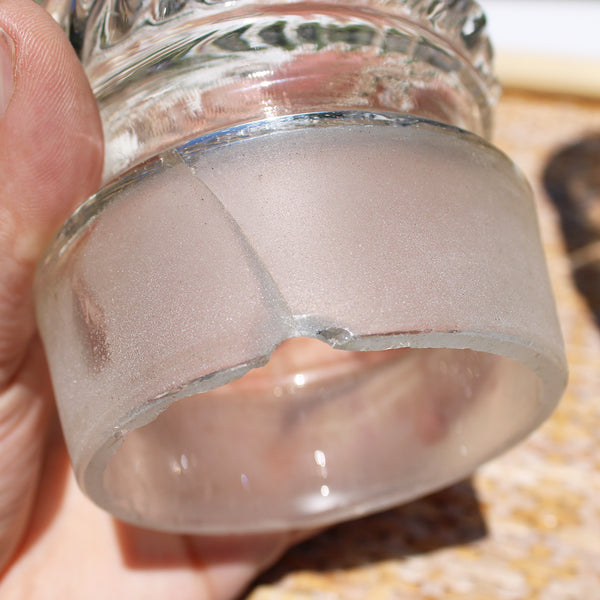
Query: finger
x: 50, y: 160
x: 231, y: 563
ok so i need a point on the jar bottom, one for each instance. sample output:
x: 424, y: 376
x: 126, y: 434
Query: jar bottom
x: 316, y: 449
x: 369, y: 232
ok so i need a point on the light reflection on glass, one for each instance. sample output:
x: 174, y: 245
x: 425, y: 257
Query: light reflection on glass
x: 299, y: 379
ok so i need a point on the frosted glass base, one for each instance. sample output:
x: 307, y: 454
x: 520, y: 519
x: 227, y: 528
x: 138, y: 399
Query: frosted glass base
x: 407, y: 250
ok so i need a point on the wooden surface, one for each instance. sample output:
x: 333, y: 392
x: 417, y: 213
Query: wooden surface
x: 527, y: 526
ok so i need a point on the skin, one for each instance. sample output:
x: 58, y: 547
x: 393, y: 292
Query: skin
x: 54, y: 543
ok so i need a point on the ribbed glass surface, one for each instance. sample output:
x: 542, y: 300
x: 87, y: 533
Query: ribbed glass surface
x: 166, y: 71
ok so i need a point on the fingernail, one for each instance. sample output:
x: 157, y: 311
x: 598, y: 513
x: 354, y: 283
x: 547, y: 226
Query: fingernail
x: 7, y: 59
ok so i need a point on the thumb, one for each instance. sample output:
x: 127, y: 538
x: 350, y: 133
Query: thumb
x: 50, y: 160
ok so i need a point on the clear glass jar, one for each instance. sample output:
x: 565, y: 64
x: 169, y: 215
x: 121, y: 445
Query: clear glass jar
x: 304, y: 293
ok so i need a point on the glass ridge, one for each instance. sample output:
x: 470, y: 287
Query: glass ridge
x: 164, y: 71
x: 96, y: 26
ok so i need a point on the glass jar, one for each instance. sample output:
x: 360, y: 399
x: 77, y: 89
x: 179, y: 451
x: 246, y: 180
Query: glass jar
x: 306, y: 292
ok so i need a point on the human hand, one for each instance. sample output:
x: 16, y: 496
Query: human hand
x: 54, y: 543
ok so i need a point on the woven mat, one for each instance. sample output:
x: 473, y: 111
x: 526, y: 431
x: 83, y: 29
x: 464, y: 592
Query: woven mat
x: 527, y: 525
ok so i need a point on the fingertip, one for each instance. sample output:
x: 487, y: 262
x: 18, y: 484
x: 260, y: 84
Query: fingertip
x: 51, y: 147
